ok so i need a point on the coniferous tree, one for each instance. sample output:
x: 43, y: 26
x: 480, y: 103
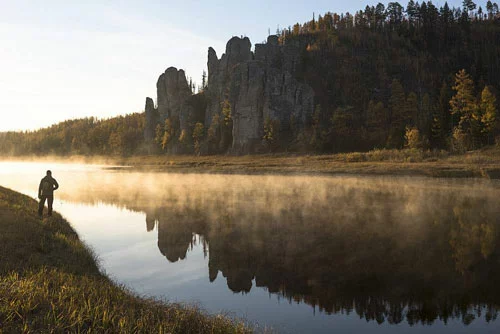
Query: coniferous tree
x: 397, y: 107
x: 443, y: 109
x: 411, y: 11
x: 463, y: 102
x: 411, y: 110
x: 469, y: 6
x: 204, y: 80
x: 425, y: 115
x: 489, y: 113
x: 463, y: 105
x: 489, y: 9
x: 437, y: 131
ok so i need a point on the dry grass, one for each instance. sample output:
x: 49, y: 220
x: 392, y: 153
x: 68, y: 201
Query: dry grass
x: 483, y: 163
x: 49, y: 282
x: 408, y: 162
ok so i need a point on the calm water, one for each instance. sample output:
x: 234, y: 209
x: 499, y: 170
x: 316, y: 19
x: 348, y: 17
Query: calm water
x: 299, y: 253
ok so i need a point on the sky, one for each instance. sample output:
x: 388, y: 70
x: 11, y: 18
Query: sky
x: 62, y: 59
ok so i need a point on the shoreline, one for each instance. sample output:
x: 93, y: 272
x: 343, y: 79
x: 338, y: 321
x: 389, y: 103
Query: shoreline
x: 476, y: 164
x: 51, y: 282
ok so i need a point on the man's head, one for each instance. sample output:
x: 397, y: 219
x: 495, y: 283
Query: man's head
x: 49, y: 173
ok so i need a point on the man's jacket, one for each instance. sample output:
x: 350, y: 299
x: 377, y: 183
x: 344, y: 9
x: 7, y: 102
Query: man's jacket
x: 47, y: 186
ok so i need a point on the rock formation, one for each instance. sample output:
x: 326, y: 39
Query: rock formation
x: 253, y: 89
x: 172, y: 90
x: 152, y: 119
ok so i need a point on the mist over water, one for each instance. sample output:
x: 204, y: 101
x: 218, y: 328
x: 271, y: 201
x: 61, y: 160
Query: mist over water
x: 300, y: 253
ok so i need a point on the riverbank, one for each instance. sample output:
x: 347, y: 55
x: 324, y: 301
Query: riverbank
x: 484, y: 163
x: 481, y: 164
x: 50, y: 282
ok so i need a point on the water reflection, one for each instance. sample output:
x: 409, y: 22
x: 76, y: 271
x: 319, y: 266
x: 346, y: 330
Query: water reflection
x: 384, y: 262
x: 388, y: 250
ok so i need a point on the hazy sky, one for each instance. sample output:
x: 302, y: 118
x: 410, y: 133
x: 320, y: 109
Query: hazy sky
x: 69, y: 59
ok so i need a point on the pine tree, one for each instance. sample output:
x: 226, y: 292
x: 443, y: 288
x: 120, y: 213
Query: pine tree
x: 397, y: 106
x: 410, y: 115
x: 437, y: 132
x: 463, y: 103
x: 489, y: 9
x: 425, y: 115
x: 443, y: 109
x: 411, y: 11
x: 489, y: 113
x: 469, y: 5
x: 204, y: 80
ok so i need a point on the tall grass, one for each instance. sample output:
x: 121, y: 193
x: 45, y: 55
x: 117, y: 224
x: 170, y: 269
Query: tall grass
x: 406, y: 155
x: 50, y: 282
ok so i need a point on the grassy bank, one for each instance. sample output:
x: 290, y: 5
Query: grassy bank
x: 49, y: 282
x: 484, y: 163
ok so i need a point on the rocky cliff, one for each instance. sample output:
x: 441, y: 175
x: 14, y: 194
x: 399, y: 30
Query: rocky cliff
x: 245, y: 92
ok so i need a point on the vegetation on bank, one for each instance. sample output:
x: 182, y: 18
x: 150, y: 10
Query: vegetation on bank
x: 482, y: 163
x: 49, y: 282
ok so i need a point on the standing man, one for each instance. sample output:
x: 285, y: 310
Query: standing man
x: 46, y: 192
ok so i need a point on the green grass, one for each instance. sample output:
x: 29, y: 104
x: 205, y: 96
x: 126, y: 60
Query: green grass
x: 50, y: 282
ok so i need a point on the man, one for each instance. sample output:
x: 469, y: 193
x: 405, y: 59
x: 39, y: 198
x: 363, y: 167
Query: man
x: 46, y: 192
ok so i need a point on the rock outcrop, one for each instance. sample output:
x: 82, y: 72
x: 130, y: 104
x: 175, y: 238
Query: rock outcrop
x: 172, y: 90
x: 244, y: 90
x: 152, y: 119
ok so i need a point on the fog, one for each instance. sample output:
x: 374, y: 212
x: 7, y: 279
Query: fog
x: 393, y: 249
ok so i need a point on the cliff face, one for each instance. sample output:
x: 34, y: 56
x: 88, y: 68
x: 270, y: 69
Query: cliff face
x: 172, y: 90
x: 244, y: 92
x: 152, y: 118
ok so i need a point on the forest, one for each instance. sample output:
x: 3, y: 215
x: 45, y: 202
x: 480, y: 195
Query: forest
x: 389, y: 77
x: 384, y: 77
x: 122, y: 135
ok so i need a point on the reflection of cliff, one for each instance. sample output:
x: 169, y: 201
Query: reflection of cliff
x: 373, y: 261
x: 391, y: 250
x: 175, y: 232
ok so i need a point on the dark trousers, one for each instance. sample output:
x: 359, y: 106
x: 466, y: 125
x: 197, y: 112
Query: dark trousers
x: 50, y: 200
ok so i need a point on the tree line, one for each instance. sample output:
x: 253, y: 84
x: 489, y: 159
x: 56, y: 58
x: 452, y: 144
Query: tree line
x: 122, y: 135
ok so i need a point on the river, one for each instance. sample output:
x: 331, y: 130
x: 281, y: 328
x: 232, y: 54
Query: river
x: 300, y: 254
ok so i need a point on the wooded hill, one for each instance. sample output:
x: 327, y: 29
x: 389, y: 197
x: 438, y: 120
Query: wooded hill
x: 384, y: 77
x: 384, y: 69
x: 122, y: 135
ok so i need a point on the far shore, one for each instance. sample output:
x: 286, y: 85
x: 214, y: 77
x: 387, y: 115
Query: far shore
x: 483, y: 163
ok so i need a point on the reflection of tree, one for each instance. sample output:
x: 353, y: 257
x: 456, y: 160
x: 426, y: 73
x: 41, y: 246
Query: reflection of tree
x: 366, y: 261
x: 473, y: 235
x: 388, y: 251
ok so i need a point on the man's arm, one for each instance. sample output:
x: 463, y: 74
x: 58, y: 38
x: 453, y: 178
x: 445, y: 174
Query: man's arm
x: 40, y: 189
x: 56, y: 185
